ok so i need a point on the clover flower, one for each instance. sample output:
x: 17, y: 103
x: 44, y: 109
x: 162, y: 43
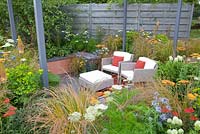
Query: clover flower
x: 74, y: 117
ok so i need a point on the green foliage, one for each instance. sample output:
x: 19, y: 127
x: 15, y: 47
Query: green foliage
x: 124, y: 117
x: 22, y: 81
x: 54, y: 79
x: 176, y: 71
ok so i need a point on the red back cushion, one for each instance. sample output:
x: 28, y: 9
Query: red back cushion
x: 139, y: 64
x: 116, y: 60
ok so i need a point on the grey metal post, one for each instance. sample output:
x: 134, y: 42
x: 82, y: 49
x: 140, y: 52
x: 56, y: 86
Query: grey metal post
x: 176, y: 31
x: 12, y: 21
x: 124, y: 25
x: 41, y: 41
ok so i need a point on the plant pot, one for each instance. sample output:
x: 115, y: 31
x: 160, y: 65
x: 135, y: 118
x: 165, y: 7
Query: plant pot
x: 60, y: 65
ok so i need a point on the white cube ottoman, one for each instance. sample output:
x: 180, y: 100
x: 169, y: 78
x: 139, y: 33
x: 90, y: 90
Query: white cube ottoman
x: 96, y: 80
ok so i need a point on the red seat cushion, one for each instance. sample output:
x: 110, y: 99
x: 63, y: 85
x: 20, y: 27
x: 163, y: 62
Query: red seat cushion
x: 116, y: 60
x: 139, y: 64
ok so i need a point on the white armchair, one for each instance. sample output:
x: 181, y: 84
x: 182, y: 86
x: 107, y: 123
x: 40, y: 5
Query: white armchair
x: 106, y: 63
x: 128, y: 70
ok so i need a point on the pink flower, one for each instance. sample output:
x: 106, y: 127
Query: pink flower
x: 7, y: 100
x: 189, y: 110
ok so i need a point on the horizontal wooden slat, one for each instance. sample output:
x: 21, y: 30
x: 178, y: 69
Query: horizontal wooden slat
x: 110, y: 17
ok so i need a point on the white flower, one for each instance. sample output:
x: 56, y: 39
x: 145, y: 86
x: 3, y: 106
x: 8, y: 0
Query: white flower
x: 171, y: 58
x: 180, y: 131
x: 116, y: 35
x: 101, y: 106
x: 119, y: 31
x: 8, y: 44
x: 197, y: 125
x: 10, y: 41
x: 169, y: 131
x: 76, y: 41
x: 174, y: 131
x: 197, y: 78
x: 89, y: 117
x: 23, y: 59
x: 176, y: 59
x: 169, y: 120
x: 109, y: 99
x: 180, y: 58
x: 177, y: 121
x: 74, y: 117
x: 86, y: 41
x: 92, y: 110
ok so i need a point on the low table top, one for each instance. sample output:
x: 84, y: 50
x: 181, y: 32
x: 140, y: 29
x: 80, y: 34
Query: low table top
x: 95, y: 76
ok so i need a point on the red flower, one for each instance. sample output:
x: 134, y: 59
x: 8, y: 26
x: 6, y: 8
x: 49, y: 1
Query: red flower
x: 165, y: 110
x: 174, y: 113
x: 12, y: 108
x: 189, y: 110
x: 7, y: 100
x: 9, y: 113
x: 193, y: 118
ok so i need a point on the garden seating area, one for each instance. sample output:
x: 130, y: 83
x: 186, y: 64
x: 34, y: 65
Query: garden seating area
x: 76, y: 67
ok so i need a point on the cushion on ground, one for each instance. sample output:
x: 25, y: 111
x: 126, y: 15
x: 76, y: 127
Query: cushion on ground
x: 149, y: 63
x: 95, y: 76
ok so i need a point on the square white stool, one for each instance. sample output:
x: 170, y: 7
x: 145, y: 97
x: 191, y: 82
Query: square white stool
x: 96, y: 80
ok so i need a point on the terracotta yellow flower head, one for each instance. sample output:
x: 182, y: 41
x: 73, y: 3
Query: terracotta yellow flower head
x: 183, y: 82
x: 168, y: 83
x: 191, y: 96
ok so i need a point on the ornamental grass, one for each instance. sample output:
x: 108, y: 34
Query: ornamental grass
x: 64, y: 112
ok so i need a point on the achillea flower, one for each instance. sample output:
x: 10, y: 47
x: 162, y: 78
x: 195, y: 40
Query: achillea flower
x: 168, y: 83
x: 191, y: 96
x: 189, y: 110
x: 181, y: 48
x: 93, y: 101
x: 174, y: 113
x: 12, y: 108
x: 6, y: 101
x: 9, y: 113
x: 183, y: 82
x: 193, y: 118
x: 165, y: 110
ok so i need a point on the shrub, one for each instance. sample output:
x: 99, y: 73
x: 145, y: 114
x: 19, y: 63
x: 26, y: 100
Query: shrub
x: 23, y: 81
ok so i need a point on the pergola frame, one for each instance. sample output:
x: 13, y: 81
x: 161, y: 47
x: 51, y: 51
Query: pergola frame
x: 40, y: 36
x: 41, y: 39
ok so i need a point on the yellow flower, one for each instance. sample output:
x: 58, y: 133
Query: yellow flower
x: 168, y: 83
x: 183, y: 82
x: 181, y: 48
x: 94, y: 101
x: 2, y: 60
x: 191, y: 96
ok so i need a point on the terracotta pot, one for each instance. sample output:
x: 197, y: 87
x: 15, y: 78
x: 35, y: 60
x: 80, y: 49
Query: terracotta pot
x: 60, y: 65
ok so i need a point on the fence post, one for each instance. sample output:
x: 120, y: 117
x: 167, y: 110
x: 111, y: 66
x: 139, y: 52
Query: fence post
x: 138, y: 23
x: 190, y: 23
x: 90, y: 20
x: 41, y: 41
x: 124, y: 25
x: 176, y: 31
x: 12, y: 21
